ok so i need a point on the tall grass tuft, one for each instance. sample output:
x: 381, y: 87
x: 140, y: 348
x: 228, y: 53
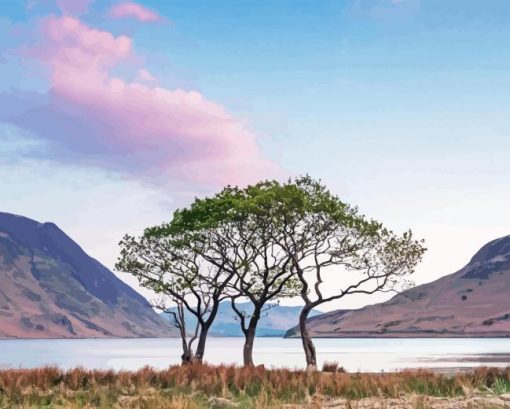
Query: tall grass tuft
x: 196, y: 386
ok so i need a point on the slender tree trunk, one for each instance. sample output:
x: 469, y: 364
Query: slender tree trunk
x: 202, y: 338
x: 309, y: 348
x: 185, y: 357
x: 187, y: 353
x: 204, y: 329
x: 248, y: 348
x: 250, y: 338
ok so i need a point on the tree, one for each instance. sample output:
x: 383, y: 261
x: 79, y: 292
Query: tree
x: 264, y: 242
x: 237, y: 239
x: 320, y: 233
x: 178, y: 320
x: 171, y: 265
x: 268, y: 277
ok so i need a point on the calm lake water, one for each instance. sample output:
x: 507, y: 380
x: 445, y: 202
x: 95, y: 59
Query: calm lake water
x: 372, y: 355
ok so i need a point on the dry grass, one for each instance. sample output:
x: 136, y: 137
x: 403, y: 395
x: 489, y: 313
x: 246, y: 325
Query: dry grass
x: 201, y: 386
x: 332, y: 366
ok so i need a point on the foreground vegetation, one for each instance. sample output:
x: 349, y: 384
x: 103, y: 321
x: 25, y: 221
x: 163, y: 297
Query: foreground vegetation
x: 202, y: 386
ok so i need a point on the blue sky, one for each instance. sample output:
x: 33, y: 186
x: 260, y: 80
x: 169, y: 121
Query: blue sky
x: 401, y: 107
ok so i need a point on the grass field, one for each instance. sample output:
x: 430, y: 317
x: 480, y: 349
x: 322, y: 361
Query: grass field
x: 203, y: 386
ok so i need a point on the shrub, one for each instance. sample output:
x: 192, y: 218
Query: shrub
x: 332, y: 366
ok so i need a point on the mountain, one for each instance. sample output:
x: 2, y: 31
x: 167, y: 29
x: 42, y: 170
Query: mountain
x: 473, y: 302
x: 50, y: 288
x: 275, y: 320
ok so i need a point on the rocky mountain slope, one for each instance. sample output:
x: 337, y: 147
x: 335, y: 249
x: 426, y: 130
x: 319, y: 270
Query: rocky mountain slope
x: 275, y: 320
x: 50, y: 288
x: 473, y: 302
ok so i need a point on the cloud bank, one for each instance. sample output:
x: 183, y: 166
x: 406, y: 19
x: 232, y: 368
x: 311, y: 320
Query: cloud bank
x: 90, y: 116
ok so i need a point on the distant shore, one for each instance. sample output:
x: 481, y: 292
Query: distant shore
x: 421, y: 334
x: 496, y: 335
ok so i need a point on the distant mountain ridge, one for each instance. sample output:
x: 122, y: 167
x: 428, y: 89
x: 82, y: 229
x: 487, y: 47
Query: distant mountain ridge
x: 473, y: 302
x: 275, y: 320
x: 50, y: 288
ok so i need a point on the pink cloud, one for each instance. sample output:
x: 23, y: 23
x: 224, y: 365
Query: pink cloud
x: 150, y: 132
x: 146, y: 75
x: 134, y: 10
x: 74, y: 6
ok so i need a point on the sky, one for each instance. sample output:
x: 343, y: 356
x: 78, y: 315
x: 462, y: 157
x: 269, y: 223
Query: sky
x: 113, y: 113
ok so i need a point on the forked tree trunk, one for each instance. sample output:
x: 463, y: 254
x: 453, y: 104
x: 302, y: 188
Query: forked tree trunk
x: 309, y: 348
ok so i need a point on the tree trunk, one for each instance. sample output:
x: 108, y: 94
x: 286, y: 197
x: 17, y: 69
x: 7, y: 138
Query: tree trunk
x: 202, y: 338
x: 187, y: 356
x: 204, y: 329
x: 309, y: 348
x: 248, y: 348
x: 250, y: 338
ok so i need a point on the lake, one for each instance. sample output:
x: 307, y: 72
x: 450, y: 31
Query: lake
x: 368, y: 355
